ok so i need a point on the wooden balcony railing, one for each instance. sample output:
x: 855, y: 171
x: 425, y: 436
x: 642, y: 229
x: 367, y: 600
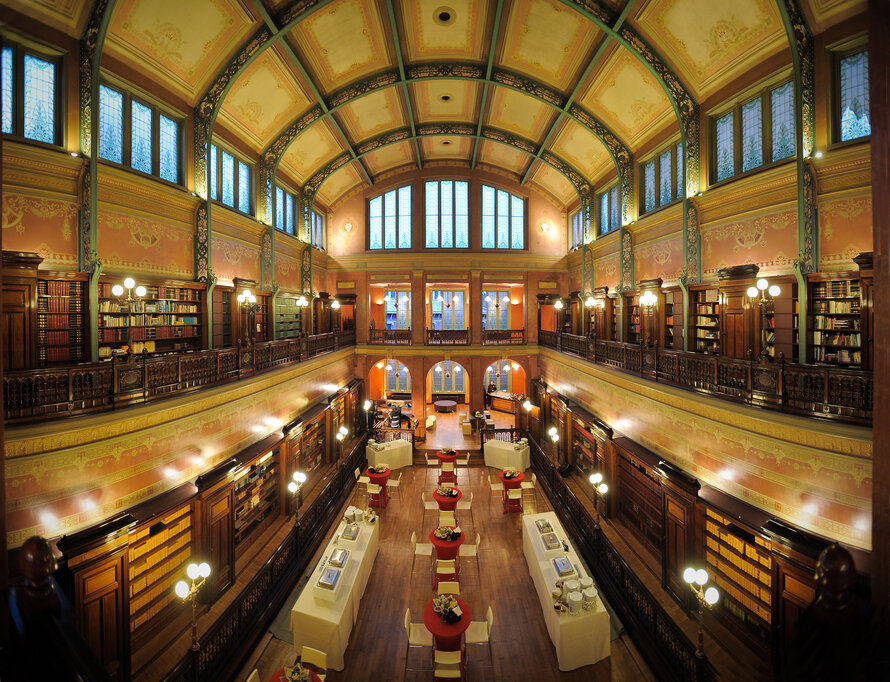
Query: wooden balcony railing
x: 399, y: 337
x: 34, y: 395
x: 384, y: 434
x: 817, y: 391
x: 503, y: 337
x: 447, y: 337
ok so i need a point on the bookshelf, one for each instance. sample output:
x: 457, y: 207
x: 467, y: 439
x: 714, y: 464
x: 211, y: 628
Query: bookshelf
x: 584, y: 448
x: 261, y: 318
x: 256, y: 496
x: 288, y: 317
x: 669, y: 320
x: 613, y: 322
x: 835, y: 322
x: 741, y: 564
x: 166, y: 318
x: 61, y: 313
x: 634, y: 320
x: 640, y: 501
x: 158, y: 554
x: 706, y: 311
x: 222, y: 317
x: 313, y: 443
x: 795, y: 324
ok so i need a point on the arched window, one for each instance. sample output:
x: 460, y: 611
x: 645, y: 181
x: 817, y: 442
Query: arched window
x: 397, y: 378
x: 447, y: 377
x: 447, y: 207
x: 499, y: 374
x: 503, y: 219
x: 389, y: 220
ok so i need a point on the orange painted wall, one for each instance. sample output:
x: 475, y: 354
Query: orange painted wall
x: 233, y: 259
x: 662, y: 258
x: 605, y: 272
x: 548, y: 318
x: 517, y: 312
x: 45, y: 226
x: 145, y: 244
x: 768, y: 240
x: 287, y: 272
x: 845, y: 230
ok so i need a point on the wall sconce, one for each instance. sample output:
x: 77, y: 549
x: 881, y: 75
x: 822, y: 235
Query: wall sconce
x: 589, y: 302
x: 545, y: 227
x: 198, y: 574
x: 335, y: 304
x: 697, y: 580
x: 248, y: 299
x: 302, y: 302
x: 366, y: 405
x: 552, y: 432
x: 527, y: 405
x: 763, y: 295
x: 648, y: 300
x: 347, y: 227
x: 558, y: 304
x: 130, y: 285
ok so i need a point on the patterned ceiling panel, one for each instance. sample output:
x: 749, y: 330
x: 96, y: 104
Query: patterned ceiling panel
x: 267, y: 96
x: 391, y: 156
x: 445, y: 100
x: 517, y: 113
x: 162, y: 39
x: 503, y: 156
x: 822, y: 14
x: 581, y: 148
x: 338, y: 183
x: 555, y: 183
x: 342, y: 42
x: 446, y: 147
x: 429, y: 35
x: 710, y: 42
x: 311, y: 150
x: 373, y: 114
x: 627, y: 98
x: 68, y: 16
x: 546, y: 40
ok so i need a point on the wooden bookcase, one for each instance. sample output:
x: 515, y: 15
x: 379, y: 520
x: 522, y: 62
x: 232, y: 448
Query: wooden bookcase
x: 640, y: 502
x: 61, y: 316
x: 288, y: 316
x: 795, y: 324
x: 634, y: 326
x: 835, y: 321
x: 222, y: 317
x: 669, y: 339
x: 256, y: 497
x: 740, y: 562
x: 706, y: 320
x: 168, y: 317
x: 312, y: 446
x: 261, y: 318
x: 613, y: 318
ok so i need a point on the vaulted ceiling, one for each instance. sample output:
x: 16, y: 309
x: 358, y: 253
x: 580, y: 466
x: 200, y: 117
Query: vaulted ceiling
x: 401, y: 84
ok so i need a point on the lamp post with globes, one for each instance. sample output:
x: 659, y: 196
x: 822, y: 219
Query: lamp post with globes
x: 198, y: 574
x: 697, y: 579
x: 296, y: 486
x: 763, y: 295
x: 599, y: 488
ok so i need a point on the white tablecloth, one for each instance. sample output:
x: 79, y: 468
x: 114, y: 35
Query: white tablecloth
x: 501, y: 454
x: 579, y: 640
x: 326, y: 624
x: 395, y: 453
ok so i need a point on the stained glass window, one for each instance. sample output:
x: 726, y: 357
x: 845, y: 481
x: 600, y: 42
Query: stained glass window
x: 447, y: 209
x: 397, y: 309
x: 725, y: 152
x: 6, y: 77
x: 228, y: 179
x: 783, y: 130
x: 389, y: 220
x: 649, y: 186
x: 496, y: 309
x: 752, y: 134
x: 398, y: 378
x: 614, y: 208
x: 213, y: 174
x: 279, y: 208
x: 462, y: 215
x: 140, y: 137
x: 604, y: 213
x: 447, y: 309
x: 168, y: 148
x: 499, y: 375
x: 854, y: 97
x: 503, y: 219
x: 664, y: 179
x: 40, y: 99
x: 446, y: 215
x: 289, y: 213
x: 111, y: 124
x: 577, y: 229
x: 681, y: 178
x: 318, y: 230
x: 243, y: 187
x: 446, y: 377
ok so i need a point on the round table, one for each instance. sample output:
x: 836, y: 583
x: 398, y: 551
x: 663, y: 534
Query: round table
x: 447, y: 503
x: 379, y: 499
x: 445, y: 405
x: 443, y: 457
x: 447, y: 636
x: 509, y: 484
x: 279, y: 674
x: 446, y: 549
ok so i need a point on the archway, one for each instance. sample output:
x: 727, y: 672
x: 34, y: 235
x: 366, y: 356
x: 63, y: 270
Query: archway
x: 389, y: 379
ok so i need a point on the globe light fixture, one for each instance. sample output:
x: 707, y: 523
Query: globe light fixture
x: 197, y: 574
x: 763, y: 295
x: 697, y: 579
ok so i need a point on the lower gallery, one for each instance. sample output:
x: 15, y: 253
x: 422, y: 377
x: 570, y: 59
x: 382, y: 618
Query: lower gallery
x: 476, y: 339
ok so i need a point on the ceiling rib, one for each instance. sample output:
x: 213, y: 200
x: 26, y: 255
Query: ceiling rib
x: 397, y: 43
x: 315, y: 91
x: 492, y: 45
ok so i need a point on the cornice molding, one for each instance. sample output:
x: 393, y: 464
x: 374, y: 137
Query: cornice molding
x: 762, y: 190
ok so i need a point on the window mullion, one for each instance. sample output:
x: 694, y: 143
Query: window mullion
x: 766, y: 123
x: 155, y: 142
x: 127, y: 130
x: 18, y: 91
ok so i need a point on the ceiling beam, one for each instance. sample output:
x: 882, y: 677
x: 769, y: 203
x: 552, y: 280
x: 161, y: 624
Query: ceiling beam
x: 492, y: 45
x: 315, y: 91
x: 397, y: 43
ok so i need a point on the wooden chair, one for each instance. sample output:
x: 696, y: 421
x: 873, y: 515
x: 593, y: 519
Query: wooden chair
x: 465, y: 462
x: 317, y: 660
x: 497, y: 488
x: 374, y: 489
x: 531, y: 486
x: 447, y: 473
x: 514, y: 496
x: 467, y: 505
x: 430, y: 463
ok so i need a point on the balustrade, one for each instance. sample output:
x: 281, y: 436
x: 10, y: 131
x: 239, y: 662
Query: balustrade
x: 447, y: 337
x: 397, y: 337
x: 503, y: 337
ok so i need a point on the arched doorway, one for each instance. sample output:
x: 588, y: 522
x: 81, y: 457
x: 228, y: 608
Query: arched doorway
x: 389, y: 379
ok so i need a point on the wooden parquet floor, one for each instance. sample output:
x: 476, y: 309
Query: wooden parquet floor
x: 521, y: 648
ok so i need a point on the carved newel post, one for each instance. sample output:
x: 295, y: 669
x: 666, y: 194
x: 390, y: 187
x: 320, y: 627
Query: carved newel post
x: 36, y: 595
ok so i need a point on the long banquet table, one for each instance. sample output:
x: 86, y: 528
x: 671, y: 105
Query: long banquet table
x: 325, y: 624
x: 501, y: 454
x: 395, y: 454
x: 579, y: 640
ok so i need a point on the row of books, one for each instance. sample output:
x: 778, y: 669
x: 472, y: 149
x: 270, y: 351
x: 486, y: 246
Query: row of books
x: 60, y: 288
x: 60, y: 354
x: 822, y: 322
x: 147, y: 307
x: 143, y: 333
x: 705, y: 334
x: 56, y: 321
x: 836, y: 307
x: 147, y: 320
x: 703, y: 321
x: 837, y: 339
x: 63, y: 304
x: 59, y: 338
x: 153, y: 293
x: 841, y: 355
x: 836, y: 289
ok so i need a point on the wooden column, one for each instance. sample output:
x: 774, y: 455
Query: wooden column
x: 418, y: 308
x: 474, y: 317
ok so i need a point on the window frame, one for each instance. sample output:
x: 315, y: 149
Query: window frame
x: 762, y: 92
x: 510, y: 197
x: 21, y: 48
x: 238, y: 158
x: 453, y: 182
x: 598, y: 202
x: 129, y: 94
x: 382, y: 197
x: 318, y: 223
x: 576, y: 230
x: 295, y: 210
x: 675, y: 147
x: 835, y: 55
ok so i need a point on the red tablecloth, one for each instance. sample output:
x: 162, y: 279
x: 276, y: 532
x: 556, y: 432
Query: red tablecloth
x: 446, y: 549
x: 279, y: 675
x: 510, y: 484
x: 447, y: 503
x: 447, y: 458
x: 378, y: 500
x: 447, y: 637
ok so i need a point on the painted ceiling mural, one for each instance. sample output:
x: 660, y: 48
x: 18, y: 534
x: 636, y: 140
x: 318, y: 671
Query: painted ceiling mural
x: 477, y: 81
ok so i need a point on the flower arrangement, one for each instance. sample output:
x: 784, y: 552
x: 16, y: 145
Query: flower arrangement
x: 445, y: 491
x: 446, y: 533
x: 379, y: 469
x: 444, y: 605
x: 296, y: 674
x: 447, y: 451
x: 511, y: 473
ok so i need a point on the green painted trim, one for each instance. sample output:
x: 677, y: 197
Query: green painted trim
x: 492, y: 45
x: 685, y: 289
x: 397, y: 43
x: 802, y: 306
